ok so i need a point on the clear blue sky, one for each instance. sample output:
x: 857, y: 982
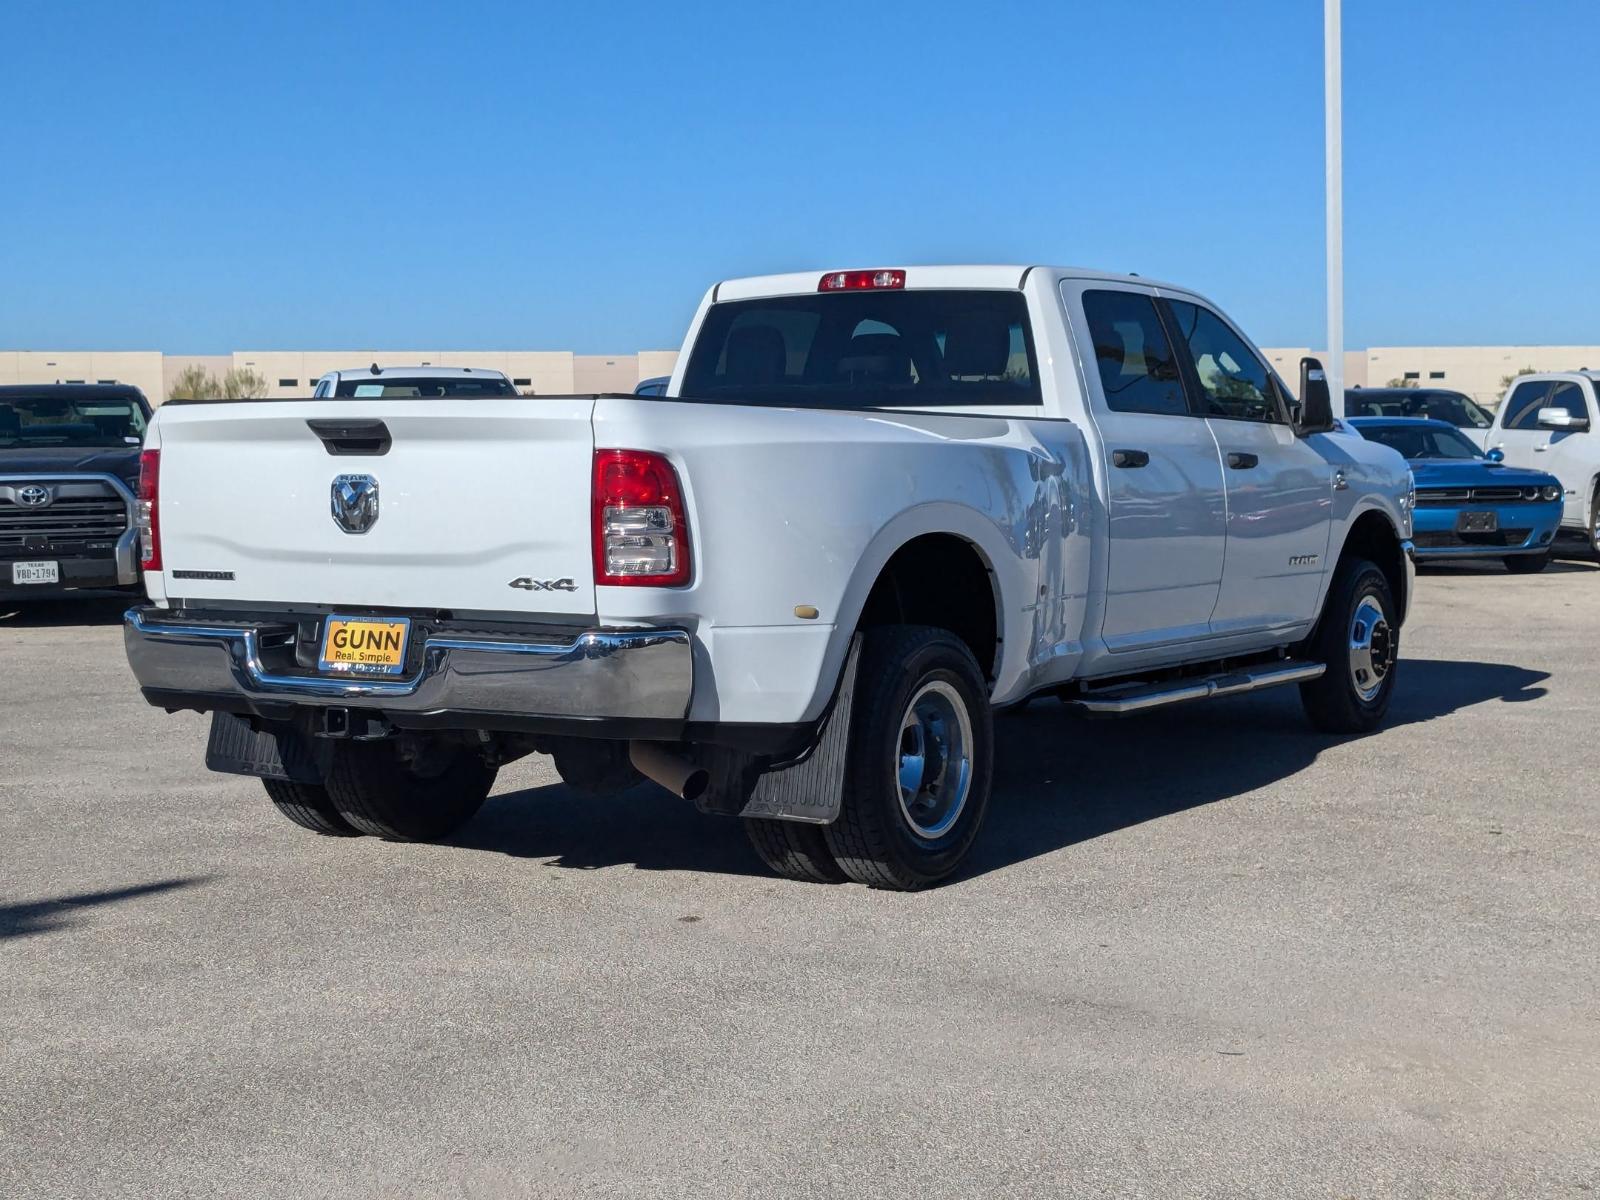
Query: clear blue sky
x: 205, y: 177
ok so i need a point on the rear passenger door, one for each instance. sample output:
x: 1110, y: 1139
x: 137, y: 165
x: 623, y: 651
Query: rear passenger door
x: 1163, y: 478
x: 1518, y: 434
x: 1279, y: 489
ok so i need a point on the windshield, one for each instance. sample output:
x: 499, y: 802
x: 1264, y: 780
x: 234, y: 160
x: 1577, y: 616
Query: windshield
x: 1422, y: 441
x: 867, y: 349
x: 390, y: 385
x: 50, y: 421
x: 1450, y: 407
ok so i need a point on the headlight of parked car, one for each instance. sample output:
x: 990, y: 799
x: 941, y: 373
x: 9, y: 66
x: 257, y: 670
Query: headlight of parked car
x: 1552, y: 492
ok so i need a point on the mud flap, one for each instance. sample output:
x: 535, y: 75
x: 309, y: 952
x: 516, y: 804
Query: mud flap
x: 812, y: 791
x: 236, y: 749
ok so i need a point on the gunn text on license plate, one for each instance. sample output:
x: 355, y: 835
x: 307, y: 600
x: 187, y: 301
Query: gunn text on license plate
x: 364, y: 645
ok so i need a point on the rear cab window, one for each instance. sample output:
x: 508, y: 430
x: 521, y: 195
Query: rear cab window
x: 389, y: 385
x: 918, y: 348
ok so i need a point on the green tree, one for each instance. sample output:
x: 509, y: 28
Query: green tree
x: 1401, y: 383
x: 194, y: 382
x: 242, y: 383
x: 1507, y: 380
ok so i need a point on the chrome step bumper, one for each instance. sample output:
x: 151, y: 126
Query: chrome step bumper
x: 621, y: 674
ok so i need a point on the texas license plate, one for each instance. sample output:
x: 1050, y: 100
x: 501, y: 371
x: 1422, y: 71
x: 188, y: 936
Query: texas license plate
x: 364, y: 646
x: 35, y: 572
x: 1477, y: 522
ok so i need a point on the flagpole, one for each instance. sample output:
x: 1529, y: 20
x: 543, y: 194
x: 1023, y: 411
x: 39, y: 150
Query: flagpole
x: 1334, y: 130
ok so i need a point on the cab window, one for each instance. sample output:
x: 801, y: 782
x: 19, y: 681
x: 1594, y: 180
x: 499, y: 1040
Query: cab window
x: 1522, y: 408
x: 1234, y: 383
x: 1138, y: 370
x: 1567, y: 395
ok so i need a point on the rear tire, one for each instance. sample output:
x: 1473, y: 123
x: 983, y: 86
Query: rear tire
x: 376, y: 791
x: 1358, y: 638
x: 921, y: 752
x: 308, y: 806
x: 1527, y: 564
x: 1594, y: 525
x: 794, y: 851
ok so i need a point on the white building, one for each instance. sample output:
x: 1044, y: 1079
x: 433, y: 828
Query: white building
x: 1476, y: 370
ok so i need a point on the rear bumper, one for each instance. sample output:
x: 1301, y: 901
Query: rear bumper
x: 602, y: 675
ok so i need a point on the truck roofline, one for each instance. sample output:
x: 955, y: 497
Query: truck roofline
x: 1009, y: 277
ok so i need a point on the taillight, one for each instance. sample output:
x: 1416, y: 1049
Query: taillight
x: 148, y: 510
x: 861, y: 281
x: 640, y: 536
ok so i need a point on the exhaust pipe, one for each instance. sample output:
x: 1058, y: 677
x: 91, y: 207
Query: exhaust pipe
x: 678, y: 775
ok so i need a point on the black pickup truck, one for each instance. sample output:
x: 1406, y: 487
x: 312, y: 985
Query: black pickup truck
x: 69, y: 472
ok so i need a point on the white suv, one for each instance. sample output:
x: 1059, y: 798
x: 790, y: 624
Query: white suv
x: 376, y: 381
x: 1548, y: 422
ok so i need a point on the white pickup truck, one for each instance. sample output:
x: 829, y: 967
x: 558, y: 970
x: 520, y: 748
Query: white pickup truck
x: 1551, y: 422
x: 872, y: 507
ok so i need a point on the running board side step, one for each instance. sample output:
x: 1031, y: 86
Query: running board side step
x: 1132, y: 698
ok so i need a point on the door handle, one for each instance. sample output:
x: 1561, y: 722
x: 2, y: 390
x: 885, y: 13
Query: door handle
x: 1130, y: 458
x: 1340, y: 483
x: 1241, y: 461
x: 1540, y: 449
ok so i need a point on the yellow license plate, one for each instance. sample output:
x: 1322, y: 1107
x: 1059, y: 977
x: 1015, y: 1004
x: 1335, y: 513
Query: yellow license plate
x: 364, y: 646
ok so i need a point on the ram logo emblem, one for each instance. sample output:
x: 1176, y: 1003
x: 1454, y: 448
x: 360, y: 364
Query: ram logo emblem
x: 354, y: 502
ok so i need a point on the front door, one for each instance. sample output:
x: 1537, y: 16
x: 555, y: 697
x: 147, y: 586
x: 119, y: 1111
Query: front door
x: 1569, y: 454
x: 1517, y: 434
x: 1164, y: 479
x: 1279, y: 489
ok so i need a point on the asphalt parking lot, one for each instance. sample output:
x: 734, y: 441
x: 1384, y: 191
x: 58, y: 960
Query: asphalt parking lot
x: 1200, y: 953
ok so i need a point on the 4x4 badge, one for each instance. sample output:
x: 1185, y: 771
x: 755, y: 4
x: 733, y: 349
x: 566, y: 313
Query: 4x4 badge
x: 544, y: 585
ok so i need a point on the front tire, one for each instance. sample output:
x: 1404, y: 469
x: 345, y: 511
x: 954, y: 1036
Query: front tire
x: 1358, y: 639
x: 921, y: 753
x: 418, y: 797
x: 1526, y: 564
x: 308, y: 806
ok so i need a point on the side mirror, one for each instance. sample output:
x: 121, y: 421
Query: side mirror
x: 1316, y: 402
x: 1560, y: 418
x: 1496, y: 455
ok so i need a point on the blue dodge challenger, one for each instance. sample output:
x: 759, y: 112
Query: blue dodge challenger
x: 1469, y: 505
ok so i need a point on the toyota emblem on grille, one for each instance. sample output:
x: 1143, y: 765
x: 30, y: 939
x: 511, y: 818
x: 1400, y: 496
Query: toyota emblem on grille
x: 355, y: 502
x: 34, y: 496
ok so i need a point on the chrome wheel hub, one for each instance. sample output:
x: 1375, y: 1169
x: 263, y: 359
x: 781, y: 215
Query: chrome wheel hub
x: 1372, y: 648
x: 934, y: 768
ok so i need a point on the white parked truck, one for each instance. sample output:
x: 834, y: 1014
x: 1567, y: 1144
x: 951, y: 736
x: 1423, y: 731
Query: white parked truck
x: 1548, y: 423
x: 425, y: 381
x: 873, y: 507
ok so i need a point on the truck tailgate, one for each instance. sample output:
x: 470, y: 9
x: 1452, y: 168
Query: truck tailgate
x: 472, y: 495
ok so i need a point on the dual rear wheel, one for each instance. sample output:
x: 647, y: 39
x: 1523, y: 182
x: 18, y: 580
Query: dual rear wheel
x: 917, y: 775
x: 402, y: 792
